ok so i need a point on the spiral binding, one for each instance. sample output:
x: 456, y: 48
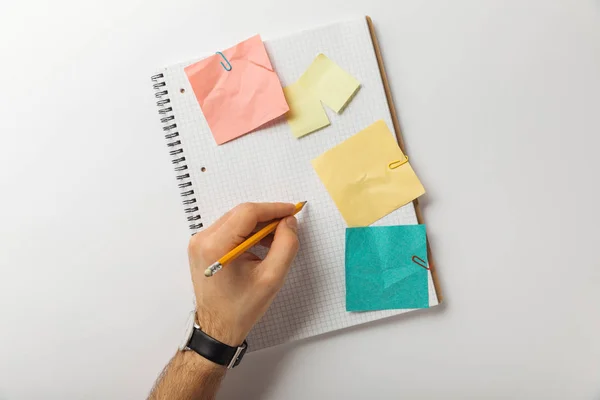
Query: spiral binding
x: 167, y: 119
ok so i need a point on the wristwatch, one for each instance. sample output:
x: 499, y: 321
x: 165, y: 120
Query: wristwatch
x: 209, y: 347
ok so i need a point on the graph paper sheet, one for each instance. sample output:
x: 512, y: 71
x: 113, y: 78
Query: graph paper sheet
x: 270, y: 164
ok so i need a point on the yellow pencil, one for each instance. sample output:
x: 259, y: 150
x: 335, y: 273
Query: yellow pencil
x: 247, y: 244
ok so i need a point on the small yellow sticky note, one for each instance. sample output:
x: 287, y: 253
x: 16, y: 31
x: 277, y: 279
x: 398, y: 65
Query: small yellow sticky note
x: 306, y: 113
x: 330, y: 83
x: 360, y: 177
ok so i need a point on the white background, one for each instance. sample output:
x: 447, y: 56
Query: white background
x: 499, y: 103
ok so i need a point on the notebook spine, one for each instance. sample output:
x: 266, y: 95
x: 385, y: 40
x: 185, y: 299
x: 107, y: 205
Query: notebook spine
x: 169, y: 127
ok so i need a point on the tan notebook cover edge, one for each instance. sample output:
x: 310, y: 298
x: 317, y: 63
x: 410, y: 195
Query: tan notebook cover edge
x: 390, y: 101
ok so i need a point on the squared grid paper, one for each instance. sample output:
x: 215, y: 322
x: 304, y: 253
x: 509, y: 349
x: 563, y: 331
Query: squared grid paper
x: 271, y: 165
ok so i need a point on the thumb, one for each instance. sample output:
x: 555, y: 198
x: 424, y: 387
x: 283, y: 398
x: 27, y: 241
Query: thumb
x: 283, y: 250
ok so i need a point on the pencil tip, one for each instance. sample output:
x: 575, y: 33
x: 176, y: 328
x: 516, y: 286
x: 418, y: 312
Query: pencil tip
x: 304, y: 202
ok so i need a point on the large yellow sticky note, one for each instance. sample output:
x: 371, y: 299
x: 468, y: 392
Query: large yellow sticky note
x: 306, y: 113
x: 330, y: 83
x: 368, y: 176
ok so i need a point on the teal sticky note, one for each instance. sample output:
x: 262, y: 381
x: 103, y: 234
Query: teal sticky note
x: 380, y: 271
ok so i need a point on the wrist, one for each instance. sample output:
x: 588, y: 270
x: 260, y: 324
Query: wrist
x: 195, y: 362
x: 219, y: 331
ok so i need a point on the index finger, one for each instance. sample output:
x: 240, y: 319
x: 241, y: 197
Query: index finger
x: 242, y: 220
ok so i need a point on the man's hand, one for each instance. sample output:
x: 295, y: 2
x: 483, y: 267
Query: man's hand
x: 232, y: 301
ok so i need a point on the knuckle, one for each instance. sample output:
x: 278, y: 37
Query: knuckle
x: 194, y: 243
x: 202, y: 245
x: 270, y: 282
x: 246, y: 208
x: 290, y: 245
x: 294, y: 244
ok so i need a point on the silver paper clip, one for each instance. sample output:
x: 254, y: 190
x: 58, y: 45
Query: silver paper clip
x: 227, y: 61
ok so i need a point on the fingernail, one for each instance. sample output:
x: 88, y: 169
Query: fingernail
x: 292, y: 223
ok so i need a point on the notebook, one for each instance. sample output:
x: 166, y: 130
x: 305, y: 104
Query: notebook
x: 270, y: 164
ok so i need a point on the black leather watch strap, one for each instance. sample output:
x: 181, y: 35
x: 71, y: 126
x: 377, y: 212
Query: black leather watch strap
x: 215, y: 351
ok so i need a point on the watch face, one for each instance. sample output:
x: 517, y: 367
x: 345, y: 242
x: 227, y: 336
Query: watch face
x: 189, y: 329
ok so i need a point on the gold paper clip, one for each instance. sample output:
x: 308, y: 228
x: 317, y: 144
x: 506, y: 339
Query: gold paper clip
x: 420, y: 262
x: 398, y: 163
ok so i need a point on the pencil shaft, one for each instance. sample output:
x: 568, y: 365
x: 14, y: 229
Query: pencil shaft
x: 254, y: 239
x: 248, y: 243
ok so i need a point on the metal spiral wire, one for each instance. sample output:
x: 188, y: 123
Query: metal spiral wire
x: 176, y: 151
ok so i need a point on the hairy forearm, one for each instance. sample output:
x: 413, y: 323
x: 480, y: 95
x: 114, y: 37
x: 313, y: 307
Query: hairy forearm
x: 188, y: 376
x: 228, y: 306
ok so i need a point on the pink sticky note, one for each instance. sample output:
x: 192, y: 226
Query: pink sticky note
x: 238, y: 101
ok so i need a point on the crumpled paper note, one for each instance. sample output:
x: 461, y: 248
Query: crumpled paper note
x: 238, y: 101
x: 306, y: 113
x: 380, y: 271
x: 358, y: 177
x: 329, y: 83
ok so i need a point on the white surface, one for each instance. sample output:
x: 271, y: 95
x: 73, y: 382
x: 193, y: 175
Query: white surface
x: 499, y: 106
x: 272, y: 165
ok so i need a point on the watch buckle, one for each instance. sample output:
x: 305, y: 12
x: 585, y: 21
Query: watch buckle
x: 240, y: 351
